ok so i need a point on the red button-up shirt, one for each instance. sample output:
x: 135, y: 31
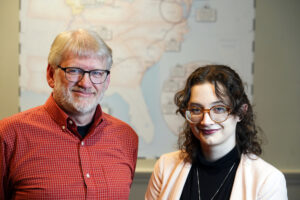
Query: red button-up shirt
x: 42, y: 156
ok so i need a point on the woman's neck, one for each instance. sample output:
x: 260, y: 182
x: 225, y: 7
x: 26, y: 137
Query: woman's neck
x: 213, y: 153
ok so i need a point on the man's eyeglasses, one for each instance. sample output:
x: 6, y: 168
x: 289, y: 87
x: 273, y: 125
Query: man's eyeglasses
x: 74, y: 74
x: 218, y: 114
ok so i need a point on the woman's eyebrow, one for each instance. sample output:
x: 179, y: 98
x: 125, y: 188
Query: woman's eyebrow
x: 212, y: 104
x: 195, y: 104
x: 218, y: 102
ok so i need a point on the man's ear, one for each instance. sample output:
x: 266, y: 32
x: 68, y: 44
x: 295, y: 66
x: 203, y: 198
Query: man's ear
x: 50, y: 76
x: 107, y: 81
x: 243, y: 110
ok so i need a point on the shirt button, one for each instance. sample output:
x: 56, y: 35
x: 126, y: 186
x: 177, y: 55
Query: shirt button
x: 88, y: 175
x: 63, y: 127
x: 82, y: 143
x: 70, y: 122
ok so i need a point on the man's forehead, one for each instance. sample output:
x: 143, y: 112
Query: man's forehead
x: 73, y: 56
x: 91, y: 60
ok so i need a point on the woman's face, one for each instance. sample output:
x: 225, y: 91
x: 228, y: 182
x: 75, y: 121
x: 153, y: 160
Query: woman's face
x: 210, y: 133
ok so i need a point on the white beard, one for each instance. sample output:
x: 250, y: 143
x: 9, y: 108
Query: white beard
x: 80, y: 105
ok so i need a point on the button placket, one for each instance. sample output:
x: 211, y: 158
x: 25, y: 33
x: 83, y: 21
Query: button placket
x: 85, y: 163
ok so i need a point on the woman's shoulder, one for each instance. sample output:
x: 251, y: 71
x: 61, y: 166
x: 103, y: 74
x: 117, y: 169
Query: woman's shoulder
x: 171, y: 159
x: 264, y: 180
x: 259, y: 166
x: 171, y: 156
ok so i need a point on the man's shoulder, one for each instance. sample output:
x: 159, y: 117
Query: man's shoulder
x: 117, y: 124
x: 18, y: 121
x: 114, y: 121
x: 21, y: 116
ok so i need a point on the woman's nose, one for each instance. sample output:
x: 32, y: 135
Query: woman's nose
x: 206, y: 119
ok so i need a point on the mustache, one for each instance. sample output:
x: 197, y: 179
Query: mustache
x: 84, y: 90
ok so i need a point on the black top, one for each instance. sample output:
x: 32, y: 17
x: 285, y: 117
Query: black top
x: 83, y: 130
x: 211, y: 176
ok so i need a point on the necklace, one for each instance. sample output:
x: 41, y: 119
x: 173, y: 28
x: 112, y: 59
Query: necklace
x: 219, y: 186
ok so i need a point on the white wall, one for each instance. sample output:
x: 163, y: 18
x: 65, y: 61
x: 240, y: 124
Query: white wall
x: 277, y: 80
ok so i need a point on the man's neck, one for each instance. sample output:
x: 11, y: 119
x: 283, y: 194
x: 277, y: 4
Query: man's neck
x: 82, y: 119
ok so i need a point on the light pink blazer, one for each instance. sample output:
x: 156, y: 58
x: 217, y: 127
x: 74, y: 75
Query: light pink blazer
x: 254, y: 179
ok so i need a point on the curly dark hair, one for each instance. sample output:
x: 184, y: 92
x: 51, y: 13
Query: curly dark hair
x: 228, y: 84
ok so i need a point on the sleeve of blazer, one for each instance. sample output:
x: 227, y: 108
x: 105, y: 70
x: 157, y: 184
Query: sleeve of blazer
x: 274, y: 187
x: 154, y: 185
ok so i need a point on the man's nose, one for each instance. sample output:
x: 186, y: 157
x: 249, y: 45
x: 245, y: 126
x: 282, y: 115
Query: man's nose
x: 85, y: 81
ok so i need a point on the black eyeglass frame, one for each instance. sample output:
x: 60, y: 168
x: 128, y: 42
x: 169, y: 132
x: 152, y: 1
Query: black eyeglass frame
x: 83, y: 72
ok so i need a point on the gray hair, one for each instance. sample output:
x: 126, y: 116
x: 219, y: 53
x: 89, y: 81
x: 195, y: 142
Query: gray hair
x: 82, y: 43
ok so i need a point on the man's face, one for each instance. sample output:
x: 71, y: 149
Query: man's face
x: 80, y: 97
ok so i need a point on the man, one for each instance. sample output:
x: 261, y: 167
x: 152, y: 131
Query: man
x: 68, y: 148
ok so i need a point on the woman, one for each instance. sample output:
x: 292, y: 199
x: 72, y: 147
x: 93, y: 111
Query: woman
x: 219, y: 145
